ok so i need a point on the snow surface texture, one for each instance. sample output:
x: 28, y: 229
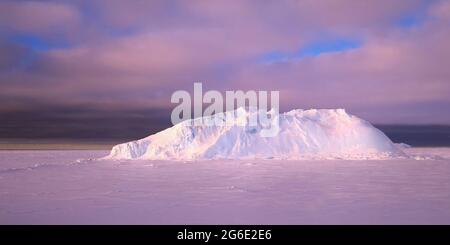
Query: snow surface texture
x: 303, y: 134
x: 59, y: 187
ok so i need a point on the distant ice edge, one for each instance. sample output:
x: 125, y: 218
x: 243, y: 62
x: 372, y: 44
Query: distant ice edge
x: 304, y: 135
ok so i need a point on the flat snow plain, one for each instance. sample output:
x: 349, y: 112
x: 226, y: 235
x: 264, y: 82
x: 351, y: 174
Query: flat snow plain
x: 70, y: 187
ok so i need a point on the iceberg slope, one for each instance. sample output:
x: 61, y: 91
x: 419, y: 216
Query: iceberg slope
x: 303, y: 134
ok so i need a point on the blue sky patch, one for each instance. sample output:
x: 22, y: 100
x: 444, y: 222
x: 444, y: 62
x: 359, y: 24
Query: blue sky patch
x: 328, y: 46
x: 32, y: 42
x: 314, y: 49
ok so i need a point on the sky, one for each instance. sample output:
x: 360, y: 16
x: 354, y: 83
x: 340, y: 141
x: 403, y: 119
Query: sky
x: 90, y: 63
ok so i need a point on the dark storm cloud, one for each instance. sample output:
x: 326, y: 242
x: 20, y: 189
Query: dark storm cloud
x: 50, y: 122
x: 111, y: 58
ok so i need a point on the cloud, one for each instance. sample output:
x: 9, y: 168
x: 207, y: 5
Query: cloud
x: 11, y: 55
x: 37, y: 17
x: 134, y: 54
x: 441, y: 10
x: 397, y: 71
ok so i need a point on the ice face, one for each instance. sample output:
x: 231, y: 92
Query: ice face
x: 303, y: 134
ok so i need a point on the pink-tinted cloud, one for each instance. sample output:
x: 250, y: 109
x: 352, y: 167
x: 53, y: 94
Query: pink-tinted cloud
x: 11, y: 55
x: 396, y: 69
x: 37, y: 16
x: 441, y: 10
x: 135, y: 53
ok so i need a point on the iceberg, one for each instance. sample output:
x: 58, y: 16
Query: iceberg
x: 303, y: 134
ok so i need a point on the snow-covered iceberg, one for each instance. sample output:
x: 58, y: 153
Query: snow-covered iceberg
x: 303, y: 134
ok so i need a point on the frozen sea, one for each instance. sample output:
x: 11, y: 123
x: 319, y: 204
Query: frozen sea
x: 71, y: 187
